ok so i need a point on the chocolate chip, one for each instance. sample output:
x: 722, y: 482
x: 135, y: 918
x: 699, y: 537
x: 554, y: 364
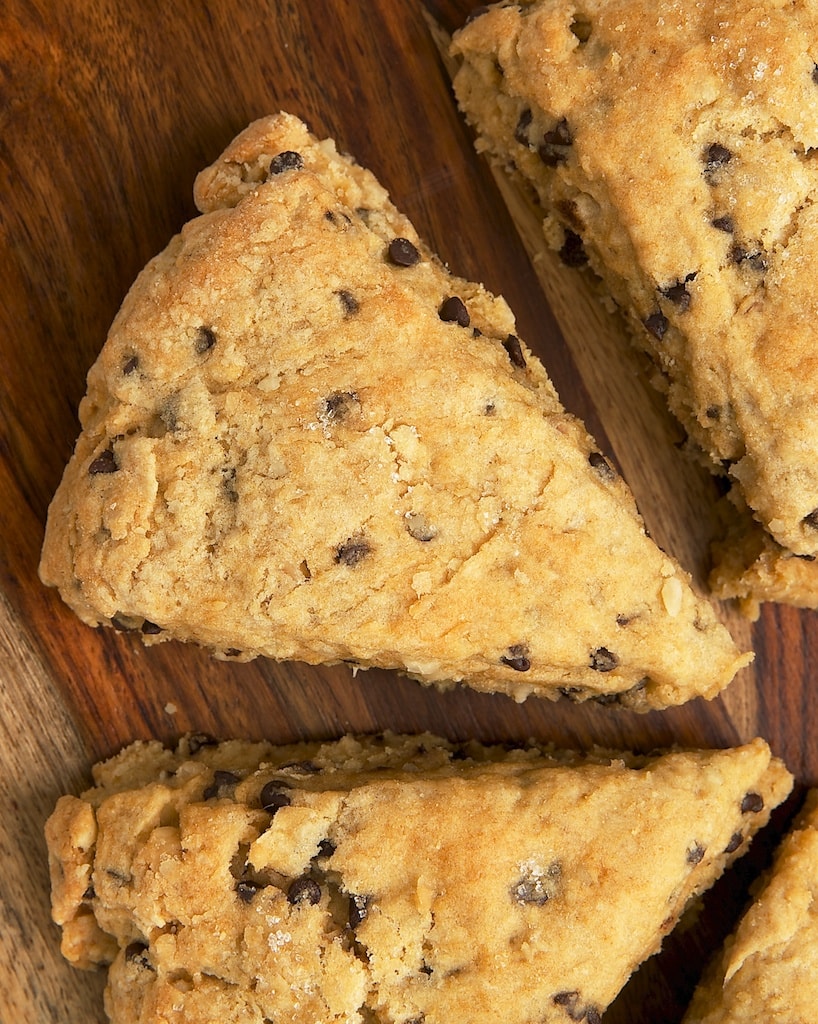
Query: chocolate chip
x: 358, y: 909
x: 130, y: 365
x: 593, y: 1015
x: 657, y: 324
x: 198, y: 740
x: 815, y: 73
x: 289, y: 160
x: 304, y: 890
x: 538, y: 885
x: 603, y: 660
x: 247, y: 890
x: 752, y: 803
x: 517, y: 658
x: 678, y: 294
x: 326, y: 848
x: 150, y: 628
x: 222, y: 784
x: 523, y: 124
x: 574, y: 1008
x: 453, y: 310
x: 272, y: 796
x: 811, y: 519
x: 352, y: 552
x: 713, y: 412
x: 232, y: 652
x: 105, y: 462
x: 402, y: 253
x: 337, y: 406
x: 348, y: 301
x: 598, y: 462
x: 418, y: 526
x: 715, y: 157
x: 137, y: 953
x: 572, y: 252
x: 205, y: 340
x: 555, y: 144
x: 695, y: 853
x: 736, y: 839
x: 754, y: 258
x: 515, y: 351
x: 725, y: 223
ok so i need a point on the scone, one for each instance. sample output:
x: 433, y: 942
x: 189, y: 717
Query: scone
x: 670, y: 147
x: 305, y: 439
x: 768, y: 971
x: 392, y: 879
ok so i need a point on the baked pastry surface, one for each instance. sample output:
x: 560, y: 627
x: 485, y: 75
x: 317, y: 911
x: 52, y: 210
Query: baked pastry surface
x: 395, y: 878
x: 305, y: 439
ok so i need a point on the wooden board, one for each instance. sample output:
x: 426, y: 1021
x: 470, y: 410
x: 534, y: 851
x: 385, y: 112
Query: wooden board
x: 108, y: 110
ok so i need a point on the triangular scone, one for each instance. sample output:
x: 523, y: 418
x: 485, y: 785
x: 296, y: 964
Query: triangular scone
x: 305, y: 439
x: 396, y: 880
x: 768, y: 971
x: 671, y: 147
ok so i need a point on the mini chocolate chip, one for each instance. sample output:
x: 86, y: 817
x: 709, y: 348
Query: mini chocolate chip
x: 105, y: 462
x: 716, y: 156
x: 593, y: 1015
x: 348, y: 301
x: 337, y: 406
x: 352, y: 552
x: 725, y: 223
x: 572, y: 252
x: 199, y: 740
x: 427, y: 970
x: 657, y: 324
x: 537, y: 885
x: 603, y: 660
x: 555, y: 143
x: 569, y: 1000
x: 752, y: 803
x: 326, y: 848
x: 418, y: 526
x: 517, y: 658
x: 755, y: 259
x: 131, y: 364
x: 678, y: 295
x: 695, y: 854
x: 137, y: 953
x: 736, y: 839
x: 330, y: 216
x: 150, y: 628
x: 247, y: 890
x: 358, y: 909
x: 205, y: 340
x: 713, y: 412
x: 222, y: 781
x: 453, y: 310
x: 232, y: 652
x: 523, y: 124
x: 598, y: 462
x: 515, y: 351
x: 272, y: 796
x: 403, y: 253
x: 304, y: 890
x: 289, y: 160
x: 815, y: 73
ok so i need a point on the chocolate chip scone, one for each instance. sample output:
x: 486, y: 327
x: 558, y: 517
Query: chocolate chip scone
x: 768, y: 970
x: 670, y: 147
x: 305, y: 439
x: 391, y: 879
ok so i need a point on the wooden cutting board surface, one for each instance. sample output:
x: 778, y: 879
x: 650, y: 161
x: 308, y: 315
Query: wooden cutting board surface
x: 108, y: 109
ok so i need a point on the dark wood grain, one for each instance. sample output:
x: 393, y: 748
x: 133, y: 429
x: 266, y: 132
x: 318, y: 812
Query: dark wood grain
x: 108, y: 109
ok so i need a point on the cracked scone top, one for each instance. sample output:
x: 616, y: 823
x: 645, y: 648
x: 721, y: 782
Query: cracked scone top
x: 393, y: 880
x: 305, y: 439
x: 671, y: 147
x: 768, y: 970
